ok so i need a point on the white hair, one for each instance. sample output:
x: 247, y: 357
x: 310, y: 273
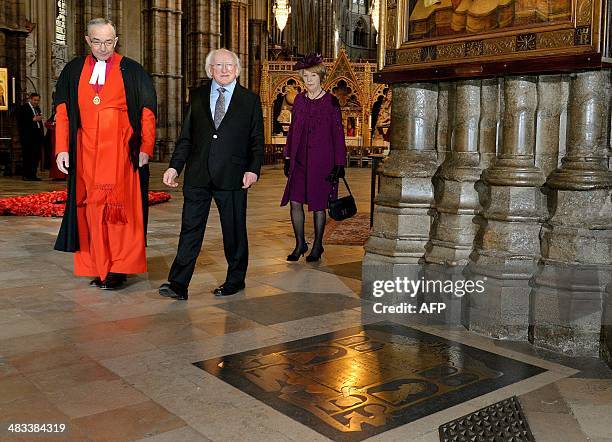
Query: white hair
x: 100, y: 22
x: 211, y: 56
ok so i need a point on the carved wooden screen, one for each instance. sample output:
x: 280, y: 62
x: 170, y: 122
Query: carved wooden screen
x: 428, y: 39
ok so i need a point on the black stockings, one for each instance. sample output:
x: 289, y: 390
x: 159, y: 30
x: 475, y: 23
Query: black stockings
x: 297, y: 219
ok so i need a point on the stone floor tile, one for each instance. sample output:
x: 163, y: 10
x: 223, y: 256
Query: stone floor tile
x: 547, y: 399
x: 135, y: 421
x: 47, y: 360
x: 110, y: 394
x: 59, y: 379
x: 555, y: 427
x: 594, y: 420
x: 16, y: 387
x: 183, y: 434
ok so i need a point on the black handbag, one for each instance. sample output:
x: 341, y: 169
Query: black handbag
x: 341, y: 208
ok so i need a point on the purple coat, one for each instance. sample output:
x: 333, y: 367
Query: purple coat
x: 325, y: 146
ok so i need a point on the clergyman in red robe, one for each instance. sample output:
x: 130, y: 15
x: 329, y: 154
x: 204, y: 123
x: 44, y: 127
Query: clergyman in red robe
x: 105, y: 134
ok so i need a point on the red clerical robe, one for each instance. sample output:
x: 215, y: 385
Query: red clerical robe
x: 108, y: 195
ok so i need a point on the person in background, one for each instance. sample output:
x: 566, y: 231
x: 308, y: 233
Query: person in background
x: 31, y: 135
x: 315, y: 154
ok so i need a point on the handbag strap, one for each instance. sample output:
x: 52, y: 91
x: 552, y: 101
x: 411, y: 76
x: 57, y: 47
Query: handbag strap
x: 345, y: 183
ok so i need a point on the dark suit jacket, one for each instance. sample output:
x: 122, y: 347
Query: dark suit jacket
x: 220, y: 156
x: 29, y: 129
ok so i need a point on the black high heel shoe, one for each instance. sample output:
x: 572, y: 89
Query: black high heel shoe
x: 295, y: 255
x: 314, y: 256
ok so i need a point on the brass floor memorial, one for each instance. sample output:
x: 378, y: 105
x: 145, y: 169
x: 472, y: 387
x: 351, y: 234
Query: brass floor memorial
x: 362, y: 381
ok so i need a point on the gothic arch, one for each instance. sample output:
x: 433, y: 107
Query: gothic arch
x: 360, y: 33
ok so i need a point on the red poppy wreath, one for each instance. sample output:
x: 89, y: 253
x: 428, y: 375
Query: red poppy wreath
x: 52, y: 203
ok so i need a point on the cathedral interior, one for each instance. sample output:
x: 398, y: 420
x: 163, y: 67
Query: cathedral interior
x: 470, y: 297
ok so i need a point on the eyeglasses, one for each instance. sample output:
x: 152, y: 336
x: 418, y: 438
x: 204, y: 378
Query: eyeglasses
x: 220, y: 66
x: 107, y: 43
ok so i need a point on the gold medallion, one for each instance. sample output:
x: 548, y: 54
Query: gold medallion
x: 96, y: 100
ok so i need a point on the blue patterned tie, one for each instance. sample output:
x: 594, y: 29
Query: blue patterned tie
x: 219, y: 107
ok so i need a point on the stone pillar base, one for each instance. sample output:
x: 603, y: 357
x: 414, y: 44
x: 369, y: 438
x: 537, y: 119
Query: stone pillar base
x: 566, y: 308
x: 384, y: 268
x: 441, y: 277
x: 502, y: 311
x: 402, y: 219
x: 453, y: 228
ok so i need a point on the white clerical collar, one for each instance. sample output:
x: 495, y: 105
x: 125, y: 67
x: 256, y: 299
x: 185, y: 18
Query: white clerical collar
x: 99, y: 73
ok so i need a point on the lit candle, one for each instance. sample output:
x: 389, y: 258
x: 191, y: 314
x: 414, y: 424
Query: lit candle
x: 13, y: 80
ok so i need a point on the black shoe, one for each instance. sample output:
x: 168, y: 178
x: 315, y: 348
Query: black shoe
x: 315, y: 255
x: 97, y: 282
x: 113, y: 282
x: 295, y: 255
x: 121, y: 276
x: 170, y: 290
x: 228, y: 289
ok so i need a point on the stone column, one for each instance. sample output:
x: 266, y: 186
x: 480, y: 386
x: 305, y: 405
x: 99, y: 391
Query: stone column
x: 456, y: 200
x: 445, y: 111
x: 201, y: 34
x: 569, y: 294
x: 235, y: 33
x: 490, y: 117
x: 40, y: 52
x: 257, y: 52
x: 402, y: 220
x: 162, y: 59
x: 506, y: 248
x: 551, y: 102
x: 327, y: 34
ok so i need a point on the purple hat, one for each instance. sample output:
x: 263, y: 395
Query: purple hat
x: 308, y: 61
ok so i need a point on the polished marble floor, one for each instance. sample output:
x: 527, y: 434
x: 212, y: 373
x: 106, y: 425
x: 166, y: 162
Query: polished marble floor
x: 120, y: 365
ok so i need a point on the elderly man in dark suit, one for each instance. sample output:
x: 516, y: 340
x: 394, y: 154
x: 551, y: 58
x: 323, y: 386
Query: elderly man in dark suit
x: 221, y: 148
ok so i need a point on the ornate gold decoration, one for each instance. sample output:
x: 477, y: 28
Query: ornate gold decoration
x: 429, y: 53
x: 451, y: 51
x: 583, y: 35
x: 499, y: 46
x: 526, y: 42
x: 391, y: 24
x: 408, y: 56
x: 356, y: 383
x: 555, y: 39
x: 345, y: 385
x: 442, y: 31
x: 584, y: 11
x: 473, y: 48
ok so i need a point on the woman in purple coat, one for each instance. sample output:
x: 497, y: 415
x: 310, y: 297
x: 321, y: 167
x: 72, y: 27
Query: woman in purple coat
x: 314, y: 155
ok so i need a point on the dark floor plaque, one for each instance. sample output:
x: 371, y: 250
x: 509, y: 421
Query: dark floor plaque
x: 362, y: 381
x: 500, y: 422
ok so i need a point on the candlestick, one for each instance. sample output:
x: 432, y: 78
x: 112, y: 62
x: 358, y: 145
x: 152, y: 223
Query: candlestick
x: 13, y: 81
